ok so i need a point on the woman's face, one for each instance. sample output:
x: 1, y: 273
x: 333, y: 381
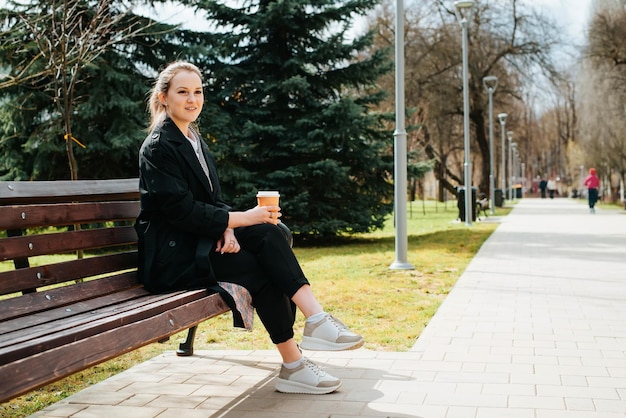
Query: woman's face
x: 184, y: 99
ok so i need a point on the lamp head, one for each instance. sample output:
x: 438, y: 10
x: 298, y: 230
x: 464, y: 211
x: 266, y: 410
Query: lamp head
x: 510, y: 135
x: 502, y: 117
x: 490, y: 82
x: 466, y: 4
x: 460, y: 7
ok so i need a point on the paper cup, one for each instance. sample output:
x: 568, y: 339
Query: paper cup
x: 268, y: 198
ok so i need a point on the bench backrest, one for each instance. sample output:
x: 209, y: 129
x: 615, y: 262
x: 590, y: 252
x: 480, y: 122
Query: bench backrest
x: 90, y: 221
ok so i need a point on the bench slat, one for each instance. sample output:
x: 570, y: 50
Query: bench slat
x: 46, y: 367
x: 34, y: 277
x: 54, y: 320
x: 31, y: 303
x: 87, y: 319
x: 59, y: 327
x: 21, y: 192
x: 28, y: 216
x: 63, y: 242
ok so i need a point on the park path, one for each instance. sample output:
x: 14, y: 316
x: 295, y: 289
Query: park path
x: 534, y: 328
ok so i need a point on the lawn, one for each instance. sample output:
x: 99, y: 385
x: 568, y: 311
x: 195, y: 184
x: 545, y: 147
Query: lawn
x: 390, y: 308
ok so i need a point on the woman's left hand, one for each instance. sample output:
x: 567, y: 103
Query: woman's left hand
x: 228, y: 243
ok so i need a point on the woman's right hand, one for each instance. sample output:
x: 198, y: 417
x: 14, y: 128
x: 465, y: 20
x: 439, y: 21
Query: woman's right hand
x: 256, y: 215
x: 265, y: 214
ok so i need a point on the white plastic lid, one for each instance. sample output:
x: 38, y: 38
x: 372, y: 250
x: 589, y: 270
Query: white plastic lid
x: 268, y: 193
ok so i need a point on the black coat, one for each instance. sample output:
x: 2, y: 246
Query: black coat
x: 182, y: 214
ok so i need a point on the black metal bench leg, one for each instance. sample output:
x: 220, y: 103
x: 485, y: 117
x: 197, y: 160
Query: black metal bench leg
x: 186, y: 347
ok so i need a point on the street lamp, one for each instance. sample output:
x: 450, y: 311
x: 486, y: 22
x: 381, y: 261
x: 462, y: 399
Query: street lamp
x: 513, y: 168
x: 464, y: 4
x: 522, y: 175
x: 510, y: 138
x: 582, y: 179
x: 491, y: 83
x: 502, y: 117
x: 460, y: 7
x: 400, y: 151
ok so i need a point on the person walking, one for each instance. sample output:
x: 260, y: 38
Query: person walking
x: 551, y: 187
x: 189, y: 237
x: 592, y: 182
x: 543, y: 185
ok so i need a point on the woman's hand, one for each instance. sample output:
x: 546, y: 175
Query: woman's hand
x: 228, y: 243
x: 256, y: 215
x: 266, y: 214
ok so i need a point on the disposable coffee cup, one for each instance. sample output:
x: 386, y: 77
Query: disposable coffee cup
x: 268, y: 198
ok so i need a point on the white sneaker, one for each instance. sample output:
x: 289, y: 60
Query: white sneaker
x: 307, y: 378
x: 330, y: 334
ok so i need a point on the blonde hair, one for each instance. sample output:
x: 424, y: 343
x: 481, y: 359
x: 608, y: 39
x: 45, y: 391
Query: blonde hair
x: 161, y: 85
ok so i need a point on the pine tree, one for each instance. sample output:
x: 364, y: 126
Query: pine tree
x: 289, y: 107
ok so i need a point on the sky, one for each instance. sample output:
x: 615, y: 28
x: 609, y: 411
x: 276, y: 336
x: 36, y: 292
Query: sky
x: 570, y: 14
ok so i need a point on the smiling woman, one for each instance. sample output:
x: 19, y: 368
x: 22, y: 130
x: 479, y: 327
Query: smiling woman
x: 188, y: 236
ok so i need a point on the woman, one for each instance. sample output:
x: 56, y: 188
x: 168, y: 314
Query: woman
x: 189, y: 236
x: 592, y: 182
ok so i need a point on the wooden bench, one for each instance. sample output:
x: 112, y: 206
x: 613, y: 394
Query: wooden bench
x: 60, y: 317
x: 482, y: 205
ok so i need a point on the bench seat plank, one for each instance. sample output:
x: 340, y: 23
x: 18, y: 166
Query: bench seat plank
x: 48, y: 366
x: 72, y: 317
x: 60, y: 328
x: 45, y: 321
x: 52, y: 298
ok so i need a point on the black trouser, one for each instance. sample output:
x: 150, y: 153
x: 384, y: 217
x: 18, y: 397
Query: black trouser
x: 268, y: 268
x: 593, y: 197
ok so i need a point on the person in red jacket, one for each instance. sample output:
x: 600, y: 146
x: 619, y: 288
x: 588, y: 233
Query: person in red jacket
x: 592, y: 182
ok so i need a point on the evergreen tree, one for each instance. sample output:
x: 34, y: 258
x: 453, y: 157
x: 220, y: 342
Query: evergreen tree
x: 289, y: 107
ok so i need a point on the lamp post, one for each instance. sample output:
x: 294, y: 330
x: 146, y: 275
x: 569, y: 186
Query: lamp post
x: 513, y: 168
x: 582, y: 178
x: 502, y: 117
x: 460, y: 7
x: 491, y: 83
x: 523, y: 176
x: 400, y: 151
x: 510, y: 138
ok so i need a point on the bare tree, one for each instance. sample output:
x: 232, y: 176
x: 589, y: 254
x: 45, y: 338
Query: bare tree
x: 64, y: 38
x: 603, y: 92
x: 508, y: 39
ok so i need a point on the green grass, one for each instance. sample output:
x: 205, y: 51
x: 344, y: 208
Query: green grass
x: 352, y: 280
